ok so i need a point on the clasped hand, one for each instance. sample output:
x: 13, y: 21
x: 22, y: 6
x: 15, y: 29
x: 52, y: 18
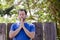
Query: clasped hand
x: 21, y: 23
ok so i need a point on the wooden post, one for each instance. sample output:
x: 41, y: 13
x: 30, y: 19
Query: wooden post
x: 3, y: 31
x: 50, y: 31
x: 8, y: 29
x: 38, y: 31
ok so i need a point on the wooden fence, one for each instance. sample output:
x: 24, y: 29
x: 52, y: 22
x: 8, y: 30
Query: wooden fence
x: 44, y: 31
x: 2, y: 31
x: 50, y: 31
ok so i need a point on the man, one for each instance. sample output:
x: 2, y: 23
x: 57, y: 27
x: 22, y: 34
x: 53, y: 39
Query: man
x: 22, y: 30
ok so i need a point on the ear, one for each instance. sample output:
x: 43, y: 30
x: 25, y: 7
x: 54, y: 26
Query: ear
x: 18, y: 18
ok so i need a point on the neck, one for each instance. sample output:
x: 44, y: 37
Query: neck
x: 24, y: 21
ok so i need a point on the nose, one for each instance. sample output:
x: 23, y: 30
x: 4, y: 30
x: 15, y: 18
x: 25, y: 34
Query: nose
x: 21, y: 15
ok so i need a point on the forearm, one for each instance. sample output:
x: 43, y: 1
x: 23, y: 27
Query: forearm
x: 29, y: 34
x: 14, y: 33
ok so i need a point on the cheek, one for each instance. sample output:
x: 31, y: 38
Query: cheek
x: 21, y: 16
x: 24, y: 16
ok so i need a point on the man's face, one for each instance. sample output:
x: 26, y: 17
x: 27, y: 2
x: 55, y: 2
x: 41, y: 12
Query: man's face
x: 22, y: 15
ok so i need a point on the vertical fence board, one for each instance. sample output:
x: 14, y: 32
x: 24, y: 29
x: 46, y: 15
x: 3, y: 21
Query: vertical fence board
x: 38, y: 31
x: 2, y: 31
x: 50, y: 31
x: 8, y: 29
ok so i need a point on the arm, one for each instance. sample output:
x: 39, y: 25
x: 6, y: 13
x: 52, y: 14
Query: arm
x: 14, y: 33
x: 29, y: 34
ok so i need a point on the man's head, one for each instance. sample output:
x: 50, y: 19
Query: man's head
x: 22, y: 13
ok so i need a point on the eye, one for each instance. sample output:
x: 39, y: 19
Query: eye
x: 21, y: 14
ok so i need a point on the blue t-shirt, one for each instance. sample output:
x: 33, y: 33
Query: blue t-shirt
x: 22, y: 35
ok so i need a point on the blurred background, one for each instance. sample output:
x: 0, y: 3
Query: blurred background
x: 38, y: 11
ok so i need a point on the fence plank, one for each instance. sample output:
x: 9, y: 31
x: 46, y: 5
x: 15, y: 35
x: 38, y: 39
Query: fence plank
x: 38, y: 31
x: 8, y: 29
x: 2, y: 31
x: 50, y: 31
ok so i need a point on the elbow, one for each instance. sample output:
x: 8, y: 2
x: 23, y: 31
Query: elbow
x: 32, y: 37
x: 10, y: 36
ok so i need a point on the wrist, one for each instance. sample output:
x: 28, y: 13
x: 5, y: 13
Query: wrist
x: 23, y: 27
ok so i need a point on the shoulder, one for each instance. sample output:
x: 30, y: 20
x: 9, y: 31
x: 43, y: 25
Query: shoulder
x: 32, y: 25
x: 13, y: 24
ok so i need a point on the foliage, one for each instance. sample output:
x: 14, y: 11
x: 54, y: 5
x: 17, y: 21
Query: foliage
x: 54, y: 8
x: 38, y: 11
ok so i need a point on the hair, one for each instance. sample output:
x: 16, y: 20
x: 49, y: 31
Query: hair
x: 22, y: 10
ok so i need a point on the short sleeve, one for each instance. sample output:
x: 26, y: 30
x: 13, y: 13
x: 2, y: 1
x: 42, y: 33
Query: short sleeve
x: 32, y: 28
x: 12, y: 27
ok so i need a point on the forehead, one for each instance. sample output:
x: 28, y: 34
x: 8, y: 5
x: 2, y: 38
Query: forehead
x: 21, y: 12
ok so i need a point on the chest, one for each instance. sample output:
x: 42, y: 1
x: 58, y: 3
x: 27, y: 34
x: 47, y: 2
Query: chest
x: 25, y: 25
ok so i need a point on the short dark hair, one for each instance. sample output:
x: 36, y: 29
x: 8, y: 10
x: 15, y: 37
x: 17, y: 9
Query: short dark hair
x: 22, y: 10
